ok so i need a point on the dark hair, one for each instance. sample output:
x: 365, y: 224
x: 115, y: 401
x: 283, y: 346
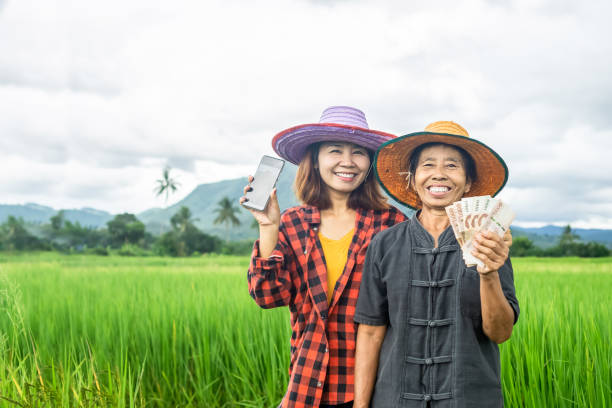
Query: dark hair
x: 310, y: 189
x: 468, y: 161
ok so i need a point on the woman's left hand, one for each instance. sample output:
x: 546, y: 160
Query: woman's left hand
x: 492, y: 250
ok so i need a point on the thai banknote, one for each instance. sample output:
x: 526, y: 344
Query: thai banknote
x: 474, y: 214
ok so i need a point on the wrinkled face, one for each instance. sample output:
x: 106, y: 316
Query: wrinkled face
x: 440, y: 177
x: 342, y: 166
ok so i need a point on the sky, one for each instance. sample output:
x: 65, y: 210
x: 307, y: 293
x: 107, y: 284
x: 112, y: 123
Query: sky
x: 97, y: 97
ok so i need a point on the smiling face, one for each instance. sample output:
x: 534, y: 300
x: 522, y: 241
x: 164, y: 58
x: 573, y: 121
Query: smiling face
x: 440, y: 177
x: 342, y: 166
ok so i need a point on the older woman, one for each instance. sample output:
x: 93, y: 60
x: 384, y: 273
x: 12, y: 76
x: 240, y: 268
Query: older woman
x: 429, y: 325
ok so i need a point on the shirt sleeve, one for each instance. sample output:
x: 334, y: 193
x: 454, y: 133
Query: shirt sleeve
x: 372, y: 304
x: 269, y: 279
x: 506, y: 277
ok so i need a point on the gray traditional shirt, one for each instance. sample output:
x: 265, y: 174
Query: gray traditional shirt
x: 435, y: 353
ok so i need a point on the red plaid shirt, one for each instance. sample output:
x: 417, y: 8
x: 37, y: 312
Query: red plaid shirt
x: 323, y: 338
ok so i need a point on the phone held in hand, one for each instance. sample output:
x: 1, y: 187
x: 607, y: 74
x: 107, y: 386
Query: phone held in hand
x: 263, y: 183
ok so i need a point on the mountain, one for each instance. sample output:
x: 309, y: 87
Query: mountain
x: 548, y: 235
x: 39, y: 214
x: 30, y: 212
x: 204, y: 199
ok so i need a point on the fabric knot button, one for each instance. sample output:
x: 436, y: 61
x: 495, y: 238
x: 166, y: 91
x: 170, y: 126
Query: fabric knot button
x: 427, y: 397
x: 432, y: 323
x: 319, y: 384
x: 429, y: 361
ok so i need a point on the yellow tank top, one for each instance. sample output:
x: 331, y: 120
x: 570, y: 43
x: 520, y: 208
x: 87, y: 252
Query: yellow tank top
x: 336, y: 253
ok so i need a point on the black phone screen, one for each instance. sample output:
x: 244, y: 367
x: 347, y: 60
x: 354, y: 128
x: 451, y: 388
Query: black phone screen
x: 263, y: 182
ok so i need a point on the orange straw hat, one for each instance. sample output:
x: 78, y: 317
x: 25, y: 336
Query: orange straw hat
x: 391, y: 162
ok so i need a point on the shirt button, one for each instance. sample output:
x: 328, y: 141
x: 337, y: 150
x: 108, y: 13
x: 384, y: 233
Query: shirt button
x: 432, y: 323
x: 427, y: 397
x: 326, y: 350
x: 428, y: 361
x: 305, y: 251
x: 319, y: 384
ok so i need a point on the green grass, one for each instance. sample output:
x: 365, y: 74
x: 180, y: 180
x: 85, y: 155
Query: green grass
x: 131, y: 332
x: 160, y: 332
x: 560, y: 352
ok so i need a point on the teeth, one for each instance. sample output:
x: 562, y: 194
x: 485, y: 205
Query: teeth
x: 345, y: 174
x: 439, y: 189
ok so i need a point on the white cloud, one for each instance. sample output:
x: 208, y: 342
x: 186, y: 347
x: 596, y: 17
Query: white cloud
x: 97, y: 96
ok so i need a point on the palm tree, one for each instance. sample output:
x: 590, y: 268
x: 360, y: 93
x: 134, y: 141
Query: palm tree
x: 226, y: 213
x: 166, y: 184
x: 182, y: 219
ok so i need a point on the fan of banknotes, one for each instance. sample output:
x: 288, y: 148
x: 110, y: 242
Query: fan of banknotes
x: 474, y: 214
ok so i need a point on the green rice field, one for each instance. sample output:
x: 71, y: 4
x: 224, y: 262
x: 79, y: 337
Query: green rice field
x: 89, y: 331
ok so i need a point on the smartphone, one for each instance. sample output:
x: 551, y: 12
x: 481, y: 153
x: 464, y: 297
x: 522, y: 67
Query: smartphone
x: 263, y: 182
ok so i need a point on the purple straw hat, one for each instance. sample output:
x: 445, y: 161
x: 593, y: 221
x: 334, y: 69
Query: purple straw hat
x: 337, y: 124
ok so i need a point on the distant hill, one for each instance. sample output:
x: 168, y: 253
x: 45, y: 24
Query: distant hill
x: 548, y: 235
x: 39, y: 214
x: 203, y: 200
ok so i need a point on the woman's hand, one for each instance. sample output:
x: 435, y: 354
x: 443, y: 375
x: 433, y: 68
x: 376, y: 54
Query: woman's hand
x: 270, y: 216
x: 492, y: 250
x: 268, y: 219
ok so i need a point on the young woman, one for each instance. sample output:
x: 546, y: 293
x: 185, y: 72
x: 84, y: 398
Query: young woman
x: 310, y: 258
x: 429, y: 326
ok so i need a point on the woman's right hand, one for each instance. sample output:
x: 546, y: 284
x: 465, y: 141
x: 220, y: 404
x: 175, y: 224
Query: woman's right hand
x: 270, y: 216
x: 269, y: 222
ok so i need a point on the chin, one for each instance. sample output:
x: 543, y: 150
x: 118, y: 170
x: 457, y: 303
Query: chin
x: 345, y: 189
x: 437, y: 205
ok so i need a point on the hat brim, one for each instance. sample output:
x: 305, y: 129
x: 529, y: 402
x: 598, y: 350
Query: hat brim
x: 392, y: 159
x: 291, y: 144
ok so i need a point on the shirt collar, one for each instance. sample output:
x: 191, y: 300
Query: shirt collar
x: 447, y: 236
x: 312, y: 215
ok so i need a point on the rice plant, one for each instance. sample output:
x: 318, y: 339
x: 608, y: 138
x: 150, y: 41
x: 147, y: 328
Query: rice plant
x: 89, y: 331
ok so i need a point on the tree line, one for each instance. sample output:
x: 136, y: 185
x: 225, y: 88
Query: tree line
x: 125, y: 234
x: 569, y: 245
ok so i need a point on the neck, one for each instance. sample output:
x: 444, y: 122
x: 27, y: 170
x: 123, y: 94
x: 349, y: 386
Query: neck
x: 434, y: 221
x: 339, y: 203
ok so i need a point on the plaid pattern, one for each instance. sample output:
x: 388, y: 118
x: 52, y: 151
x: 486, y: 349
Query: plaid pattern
x: 323, y: 338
